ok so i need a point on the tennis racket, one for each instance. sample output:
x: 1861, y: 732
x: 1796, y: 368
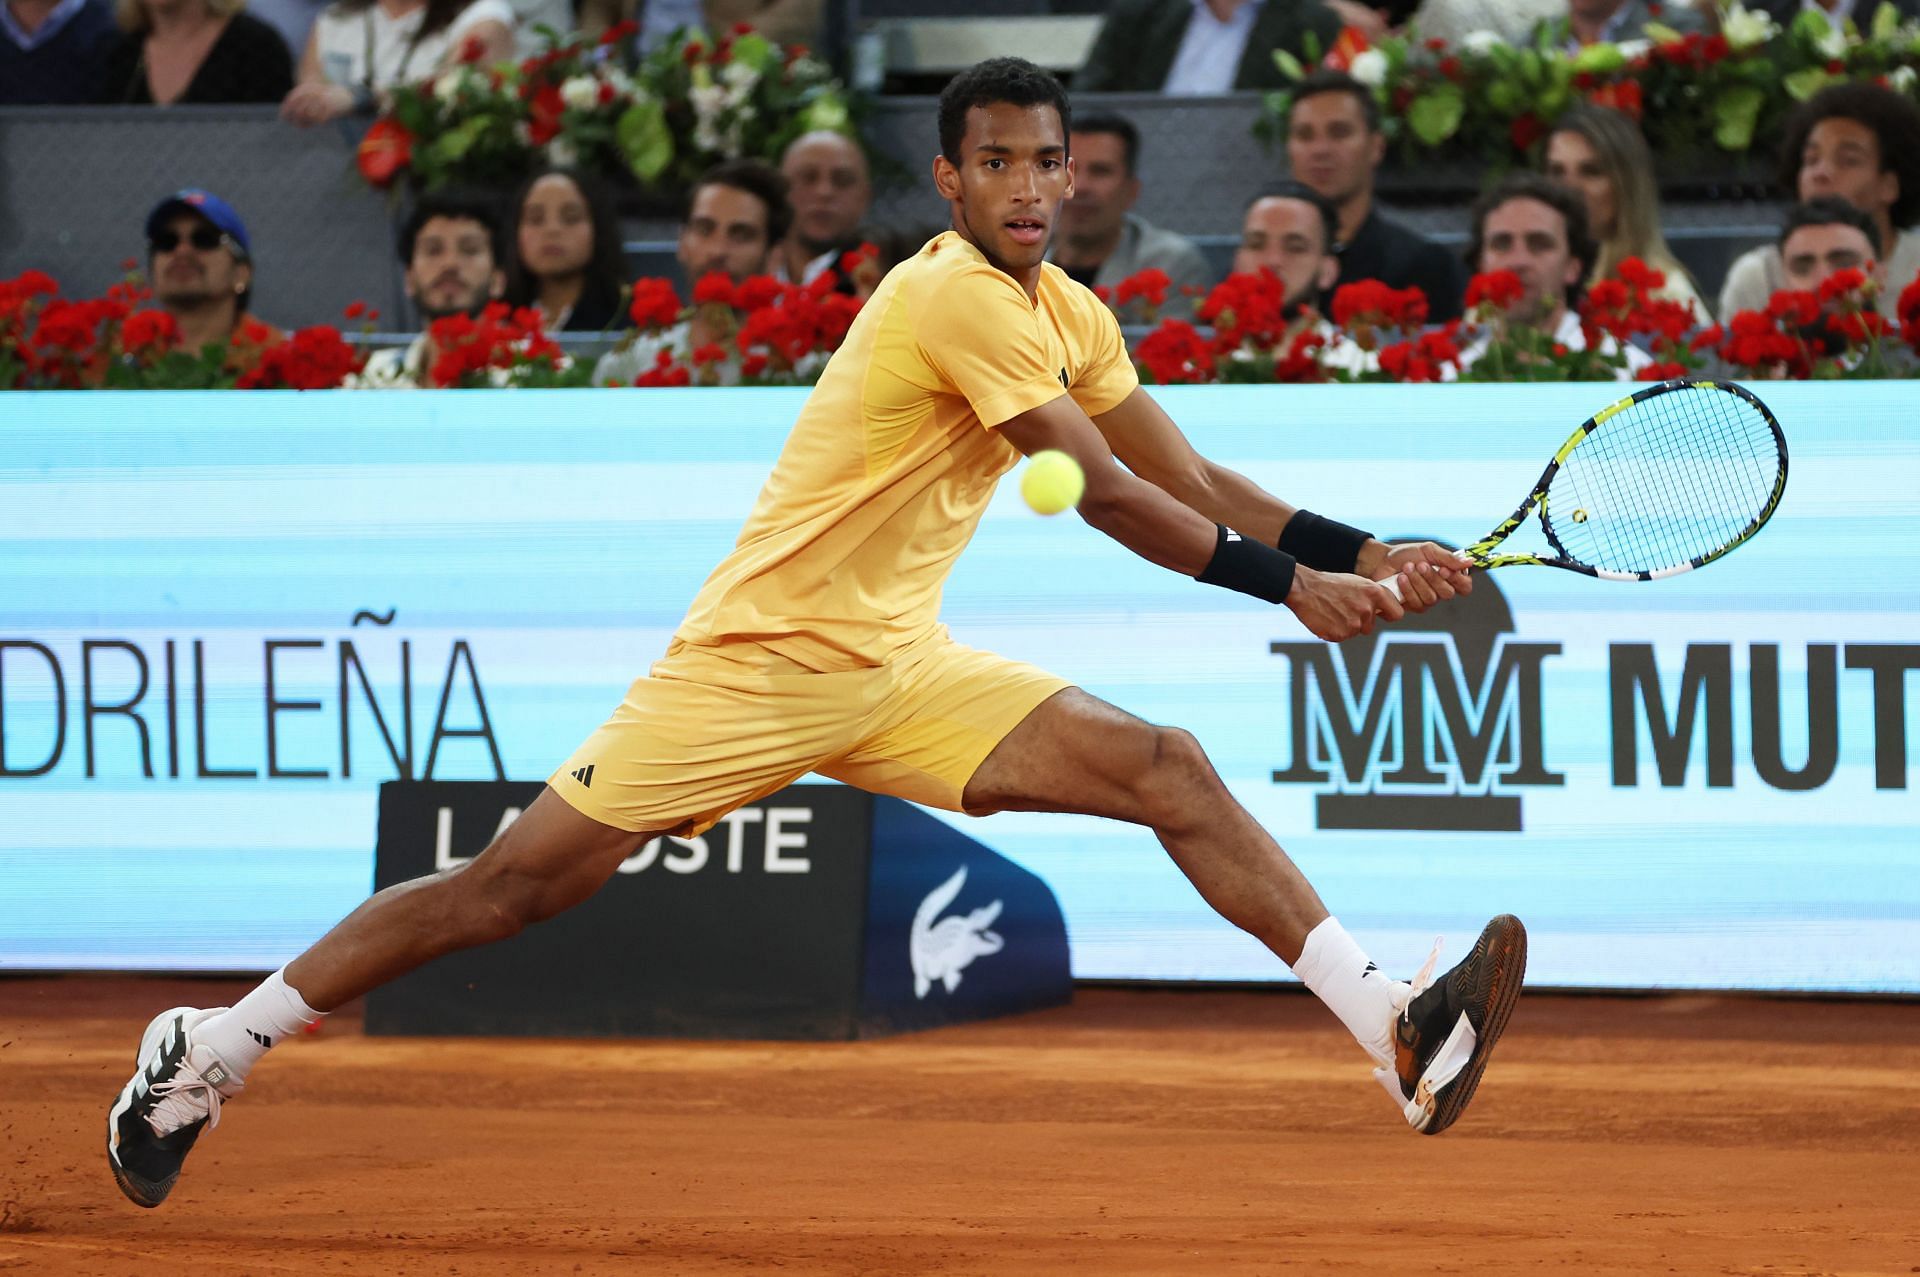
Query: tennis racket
x: 1664, y: 481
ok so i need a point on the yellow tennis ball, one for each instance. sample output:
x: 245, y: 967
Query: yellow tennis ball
x: 1053, y: 482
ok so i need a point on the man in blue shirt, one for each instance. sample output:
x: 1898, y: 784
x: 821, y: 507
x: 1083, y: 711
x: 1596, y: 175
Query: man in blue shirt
x: 53, y: 52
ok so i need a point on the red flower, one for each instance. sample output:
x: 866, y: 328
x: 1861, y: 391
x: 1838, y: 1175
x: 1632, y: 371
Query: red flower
x: 754, y: 292
x: 1435, y: 44
x: 149, y: 330
x: 711, y: 353
x: 1625, y: 96
x: 1794, y: 307
x: 1525, y: 131
x: 311, y: 359
x: 620, y: 32
x: 693, y: 52
x: 655, y: 304
x: 355, y: 310
x: 1659, y: 371
x: 605, y: 94
x: 1841, y: 283
x: 472, y: 49
x: 1174, y: 353
x: 753, y: 366
x: 1499, y: 289
x: 1148, y: 285
x: 543, y: 119
x: 741, y: 28
x: 714, y: 288
x: 384, y: 151
x: 1451, y: 67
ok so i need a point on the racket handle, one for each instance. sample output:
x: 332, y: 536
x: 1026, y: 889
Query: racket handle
x: 1392, y: 585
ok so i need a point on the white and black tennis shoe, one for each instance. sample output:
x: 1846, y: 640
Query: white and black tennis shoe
x: 1448, y: 1027
x: 163, y: 1108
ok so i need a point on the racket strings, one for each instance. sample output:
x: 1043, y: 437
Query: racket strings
x: 1669, y: 480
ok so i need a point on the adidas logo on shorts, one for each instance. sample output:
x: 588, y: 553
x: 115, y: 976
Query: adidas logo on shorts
x: 584, y: 775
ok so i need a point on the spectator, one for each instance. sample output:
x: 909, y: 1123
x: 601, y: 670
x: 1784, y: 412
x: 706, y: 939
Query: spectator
x: 201, y: 264
x: 784, y: 22
x: 565, y: 253
x: 293, y: 19
x: 1538, y: 230
x: 1512, y: 21
x: 736, y: 213
x: 1861, y: 143
x: 1290, y: 230
x: 175, y: 52
x: 53, y: 52
x: 1601, y: 153
x: 831, y: 190
x: 1613, y: 21
x: 1101, y: 240
x: 1201, y: 46
x: 450, y: 249
x: 360, y: 49
x: 1826, y: 235
x: 1334, y: 144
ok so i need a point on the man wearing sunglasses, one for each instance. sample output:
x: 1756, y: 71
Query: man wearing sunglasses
x: 200, y: 262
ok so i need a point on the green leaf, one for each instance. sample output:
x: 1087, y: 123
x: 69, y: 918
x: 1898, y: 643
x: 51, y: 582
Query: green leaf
x: 1435, y: 116
x: 1600, y: 59
x: 1506, y: 97
x: 754, y: 50
x: 1886, y: 21
x: 1810, y: 25
x: 1660, y: 34
x: 1804, y: 83
x: 645, y: 140
x: 829, y: 112
x: 1735, y: 112
x: 1289, y: 65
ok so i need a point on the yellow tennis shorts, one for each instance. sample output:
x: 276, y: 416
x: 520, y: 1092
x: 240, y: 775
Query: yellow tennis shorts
x: 712, y: 728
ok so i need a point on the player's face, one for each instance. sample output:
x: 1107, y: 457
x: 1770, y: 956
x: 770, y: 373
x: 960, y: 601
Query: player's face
x: 1103, y: 191
x: 1572, y: 162
x: 1288, y: 238
x: 1841, y: 158
x: 1007, y: 189
x: 726, y: 230
x: 1529, y: 238
x: 452, y: 271
x: 1330, y: 148
x: 1812, y: 253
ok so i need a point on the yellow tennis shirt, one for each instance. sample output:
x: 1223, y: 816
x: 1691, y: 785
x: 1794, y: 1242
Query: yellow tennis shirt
x: 894, y: 457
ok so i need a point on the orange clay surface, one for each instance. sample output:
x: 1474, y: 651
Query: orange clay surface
x: 1136, y: 1131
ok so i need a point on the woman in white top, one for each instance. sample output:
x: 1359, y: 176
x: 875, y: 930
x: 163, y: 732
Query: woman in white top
x: 1601, y: 153
x: 361, y: 49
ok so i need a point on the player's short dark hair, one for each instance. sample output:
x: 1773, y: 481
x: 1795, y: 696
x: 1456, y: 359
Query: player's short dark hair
x: 1291, y: 190
x: 1894, y: 120
x: 758, y: 179
x: 1014, y: 81
x: 459, y: 206
x: 1830, y: 211
x: 1116, y: 126
x: 1569, y: 203
x: 1338, y: 82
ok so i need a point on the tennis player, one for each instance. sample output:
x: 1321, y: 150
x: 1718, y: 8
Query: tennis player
x: 816, y: 646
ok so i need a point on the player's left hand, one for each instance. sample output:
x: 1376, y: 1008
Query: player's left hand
x: 1428, y: 573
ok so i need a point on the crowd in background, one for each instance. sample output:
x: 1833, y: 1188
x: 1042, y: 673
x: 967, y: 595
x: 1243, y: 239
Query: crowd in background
x: 551, y: 253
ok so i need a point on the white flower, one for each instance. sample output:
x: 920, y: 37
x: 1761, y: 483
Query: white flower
x: 1902, y: 79
x: 1631, y: 49
x: 563, y: 154
x: 580, y: 92
x: 1370, y: 68
x: 1745, y: 28
x: 1481, y: 42
x: 739, y: 75
x: 446, y: 85
x: 709, y: 104
x: 1832, y: 45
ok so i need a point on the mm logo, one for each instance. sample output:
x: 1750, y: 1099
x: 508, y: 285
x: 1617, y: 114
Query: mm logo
x: 1437, y: 726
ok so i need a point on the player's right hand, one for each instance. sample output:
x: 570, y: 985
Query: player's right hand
x: 1338, y: 605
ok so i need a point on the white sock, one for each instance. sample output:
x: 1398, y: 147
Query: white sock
x: 1366, y: 1001
x: 242, y: 1034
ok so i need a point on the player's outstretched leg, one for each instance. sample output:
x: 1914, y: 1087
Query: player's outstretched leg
x: 1431, y: 1039
x: 191, y: 1060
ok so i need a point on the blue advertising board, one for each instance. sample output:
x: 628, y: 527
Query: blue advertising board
x: 225, y: 619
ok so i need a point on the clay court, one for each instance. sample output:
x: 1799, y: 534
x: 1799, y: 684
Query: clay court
x: 1137, y: 1131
